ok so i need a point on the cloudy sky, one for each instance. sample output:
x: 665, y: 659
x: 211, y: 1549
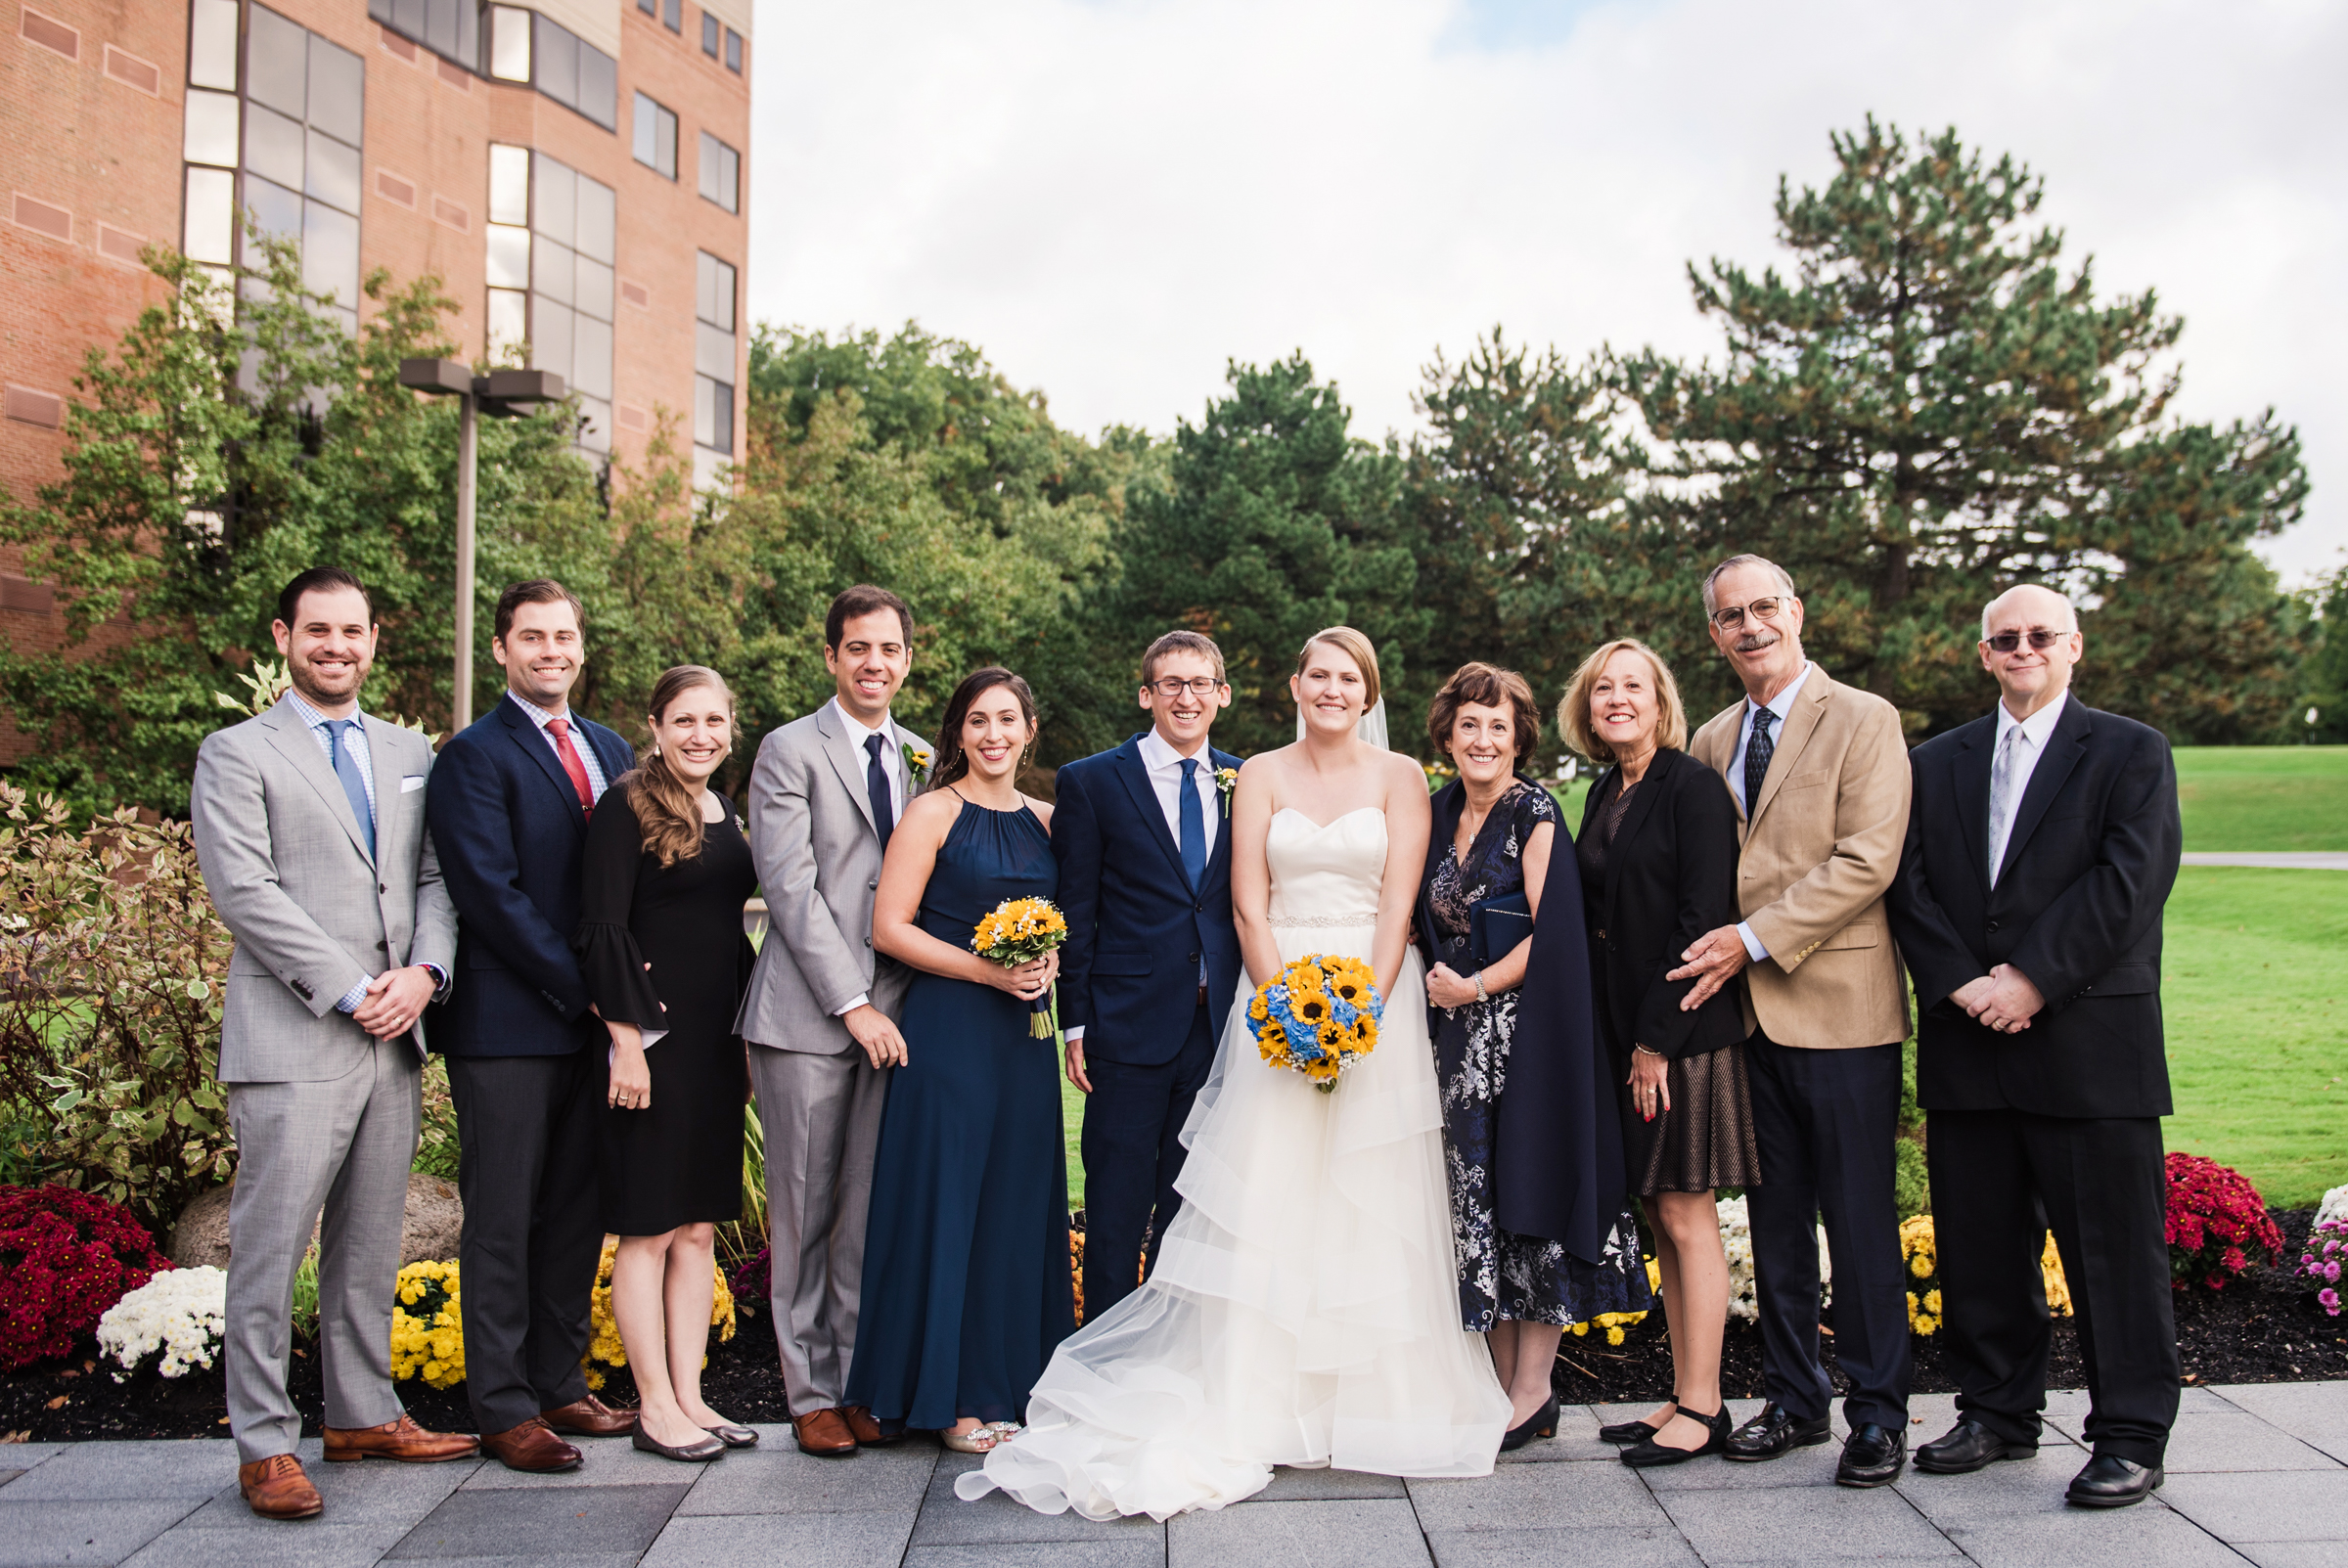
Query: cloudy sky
x: 1114, y: 198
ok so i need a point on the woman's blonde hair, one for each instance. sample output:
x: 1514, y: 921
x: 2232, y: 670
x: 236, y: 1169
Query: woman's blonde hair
x: 1355, y: 647
x: 669, y: 808
x: 1573, y: 709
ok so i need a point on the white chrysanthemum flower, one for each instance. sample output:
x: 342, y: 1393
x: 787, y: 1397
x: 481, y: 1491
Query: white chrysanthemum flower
x: 180, y: 1314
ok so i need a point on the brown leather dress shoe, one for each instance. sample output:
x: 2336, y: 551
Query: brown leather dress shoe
x: 589, y: 1417
x: 402, y: 1440
x: 866, y: 1429
x: 824, y: 1434
x: 275, y: 1488
x: 530, y: 1447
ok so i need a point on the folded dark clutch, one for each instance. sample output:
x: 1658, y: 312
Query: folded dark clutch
x: 1496, y: 925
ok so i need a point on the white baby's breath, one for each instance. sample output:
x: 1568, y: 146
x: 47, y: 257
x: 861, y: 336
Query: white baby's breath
x: 180, y: 1314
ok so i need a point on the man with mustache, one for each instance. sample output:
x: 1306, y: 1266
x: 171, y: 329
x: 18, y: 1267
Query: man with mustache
x: 1819, y: 773
x: 1152, y: 958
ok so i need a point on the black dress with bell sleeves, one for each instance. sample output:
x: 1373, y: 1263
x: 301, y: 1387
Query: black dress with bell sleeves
x: 677, y: 1161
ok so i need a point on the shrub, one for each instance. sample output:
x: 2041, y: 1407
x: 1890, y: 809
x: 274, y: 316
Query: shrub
x: 2326, y: 1253
x: 112, y: 964
x: 177, y: 1317
x: 754, y: 1280
x: 427, y: 1326
x: 66, y: 1257
x: 1920, y: 1250
x: 604, y: 1352
x: 2216, y: 1223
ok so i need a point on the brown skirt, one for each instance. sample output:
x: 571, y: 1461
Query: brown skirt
x: 1705, y: 1140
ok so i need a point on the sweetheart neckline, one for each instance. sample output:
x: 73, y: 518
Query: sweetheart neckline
x: 1325, y: 826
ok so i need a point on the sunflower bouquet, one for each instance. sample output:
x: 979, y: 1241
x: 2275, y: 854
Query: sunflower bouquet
x: 1020, y: 930
x: 1318, y: 1016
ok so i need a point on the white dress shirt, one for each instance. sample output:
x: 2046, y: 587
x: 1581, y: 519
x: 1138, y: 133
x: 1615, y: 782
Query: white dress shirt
x: 1781, y: 704
x: 1163, y: 764
x: 892, y: 763
x: 2037, y: 729
x: 597, y: 783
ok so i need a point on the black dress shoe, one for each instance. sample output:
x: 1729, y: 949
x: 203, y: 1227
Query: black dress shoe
x: 2111, y: 1482
x: 1633, y: 1431
x: 1873, y: 1457
x: 1773, y: 1432
x: 1651, y: 1452
x: 1543, y: 1423
x: 1966, y: 1447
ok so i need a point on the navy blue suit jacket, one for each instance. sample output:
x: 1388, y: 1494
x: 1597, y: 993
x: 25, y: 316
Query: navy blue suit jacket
x: 506, y: 822
x: 1137, y: 929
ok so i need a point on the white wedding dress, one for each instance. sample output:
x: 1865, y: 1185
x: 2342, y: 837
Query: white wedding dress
x: 1304, y: 1310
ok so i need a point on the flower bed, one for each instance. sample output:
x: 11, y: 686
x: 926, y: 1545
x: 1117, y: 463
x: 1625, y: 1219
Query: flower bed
x: 428, y: 1324
x: 2217, y: 1227
x: 66, y: 1257
x: 177, y: 1317
x: 606, y: 1354
x: 1920, y: 1251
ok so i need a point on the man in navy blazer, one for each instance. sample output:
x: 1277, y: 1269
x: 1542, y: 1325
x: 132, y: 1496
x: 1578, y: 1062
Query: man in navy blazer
x: 526, y: 1068
x: 1143, y: 837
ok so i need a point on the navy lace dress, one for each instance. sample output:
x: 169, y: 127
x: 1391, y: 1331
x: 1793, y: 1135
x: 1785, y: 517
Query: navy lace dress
x: 1504, y: 1275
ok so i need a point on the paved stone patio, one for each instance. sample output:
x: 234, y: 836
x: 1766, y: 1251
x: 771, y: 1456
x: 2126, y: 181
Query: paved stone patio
x: 2257, y: 1474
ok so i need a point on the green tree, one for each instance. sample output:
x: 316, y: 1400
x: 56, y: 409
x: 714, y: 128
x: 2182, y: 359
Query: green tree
x: 1928, y: 410
x: 2323, y: 677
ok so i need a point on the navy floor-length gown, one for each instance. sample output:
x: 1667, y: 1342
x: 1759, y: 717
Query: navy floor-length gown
x: 967, y: 1285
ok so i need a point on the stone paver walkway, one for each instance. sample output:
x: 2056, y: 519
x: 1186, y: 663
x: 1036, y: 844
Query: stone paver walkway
x: 2256, y: 1474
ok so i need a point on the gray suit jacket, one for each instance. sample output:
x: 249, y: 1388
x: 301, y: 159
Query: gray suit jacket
x: 819, y: 862
x: 312, y: 912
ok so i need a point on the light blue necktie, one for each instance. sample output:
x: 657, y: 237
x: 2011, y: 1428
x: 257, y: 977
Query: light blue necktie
x: 1193, y: 826
x: 354, y: 783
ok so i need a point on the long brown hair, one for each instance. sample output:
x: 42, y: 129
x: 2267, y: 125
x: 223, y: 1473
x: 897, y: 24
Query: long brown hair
x: 669, y: 808
x: 952, y: 761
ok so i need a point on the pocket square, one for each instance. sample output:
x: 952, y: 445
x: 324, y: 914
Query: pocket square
x: 411, y: 784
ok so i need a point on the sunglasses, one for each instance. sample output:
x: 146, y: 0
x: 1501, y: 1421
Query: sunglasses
x: 1729, y: 618
x: 2040, y: 639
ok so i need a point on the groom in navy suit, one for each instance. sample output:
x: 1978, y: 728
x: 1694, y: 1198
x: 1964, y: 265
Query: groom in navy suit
x: 1143, y: 837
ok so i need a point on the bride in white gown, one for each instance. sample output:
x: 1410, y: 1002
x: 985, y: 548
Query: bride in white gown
x: 1304, y: 1306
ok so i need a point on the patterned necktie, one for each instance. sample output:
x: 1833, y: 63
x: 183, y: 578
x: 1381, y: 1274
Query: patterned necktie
x: 354, y: 783
x: 560, y: 728
x: 2002, y: 796
x: 875, y: 784
x: 1194, y: 826
x: 1757, y: 753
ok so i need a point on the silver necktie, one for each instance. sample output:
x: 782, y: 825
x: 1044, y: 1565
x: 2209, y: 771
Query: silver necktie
x: 2002, y: 796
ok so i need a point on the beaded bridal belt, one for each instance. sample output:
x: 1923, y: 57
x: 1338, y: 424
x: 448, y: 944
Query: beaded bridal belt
x: 1322, y: 922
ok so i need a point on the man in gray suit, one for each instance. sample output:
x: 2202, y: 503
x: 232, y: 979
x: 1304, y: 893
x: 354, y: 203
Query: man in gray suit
x: 309, y: 828
x: 826, y: 793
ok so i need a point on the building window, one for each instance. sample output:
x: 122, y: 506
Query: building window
x: 711, y: 32
x: 715, y: 351
x: 526, y: 47
x: 713, y: 295
x: 550, y: 250
x: 653, y: 134
x: 672, y: 15
x: 651, y: 8
x: 721, y: 173
x: 733, y: 51
x: 449, y: 28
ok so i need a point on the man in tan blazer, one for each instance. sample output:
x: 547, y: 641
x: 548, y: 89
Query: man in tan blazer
x: 1821, y: 777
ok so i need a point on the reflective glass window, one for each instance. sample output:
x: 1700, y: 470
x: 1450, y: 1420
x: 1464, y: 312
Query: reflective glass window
x: 332, y: 172
x: 712, y: 414
x: 591, y: 356
x: 278, y: 213
x: 509, y: 256
x: 337, y: 91
x: 556, y: 66
x: 213, y: 44
x: 330, y: 253
x: 713, y: 291
x: 710, y: 34
x: 211, y: 230
x: 211, y: 128
x: 594, y: 418
x: 721, y: 173
x: 595, y: 219
x: 273, y: 146
x: 277, y: 62
x: 509, y: 185
x: 509, y: 43
x: 712, y: 351
x: 652, y: 135
x: 550, y: 336
x: 550, y: 267
x: 672, y: 15
x: 732, y: 50
x: 508, y: 322
x: 599, y: 86
x: 555, y: 198
x: 591, y: 289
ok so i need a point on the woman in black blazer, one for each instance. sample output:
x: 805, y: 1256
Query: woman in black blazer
x: 1657, y: 855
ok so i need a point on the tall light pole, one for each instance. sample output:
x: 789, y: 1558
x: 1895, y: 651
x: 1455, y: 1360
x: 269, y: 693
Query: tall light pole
x: 500, y: 395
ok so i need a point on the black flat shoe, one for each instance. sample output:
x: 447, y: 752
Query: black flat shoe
x: 702, y: 1453
x: 1543, y: 1423
x: 1633, y: 1431
x: 2111, y: 1482
x: 1966, y: 1447
x: 1651, y: 1454
x: 1873, y: 1457
x: 1773, y: 1432
x: 732, y: 1436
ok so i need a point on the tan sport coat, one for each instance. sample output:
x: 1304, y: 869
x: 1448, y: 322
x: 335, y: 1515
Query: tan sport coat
x: 1822, y: 846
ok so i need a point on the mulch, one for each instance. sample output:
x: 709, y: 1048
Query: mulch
x: 2265, y: 1328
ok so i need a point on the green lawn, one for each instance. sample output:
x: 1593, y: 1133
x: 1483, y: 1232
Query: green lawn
x: 2264, y: 798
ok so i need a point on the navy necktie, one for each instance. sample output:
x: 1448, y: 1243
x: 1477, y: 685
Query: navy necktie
x: 354, y: 783
x: 1193, y: 826
x: 875, y: 784
x: 1757, y: 753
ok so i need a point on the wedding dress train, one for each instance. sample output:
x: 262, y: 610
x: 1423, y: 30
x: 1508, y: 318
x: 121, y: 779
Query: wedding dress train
x: 1304, y: 1307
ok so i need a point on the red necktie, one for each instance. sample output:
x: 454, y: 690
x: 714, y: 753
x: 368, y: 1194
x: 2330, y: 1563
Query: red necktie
x: 560, y: 728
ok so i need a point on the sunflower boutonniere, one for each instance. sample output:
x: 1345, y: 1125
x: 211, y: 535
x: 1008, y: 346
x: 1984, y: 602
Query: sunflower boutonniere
x: 917, y: 762
x: 1226, y: 780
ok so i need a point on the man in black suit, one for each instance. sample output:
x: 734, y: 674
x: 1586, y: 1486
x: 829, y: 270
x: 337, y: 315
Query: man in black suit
x: 2043, y: 845
x: 526, y: 1067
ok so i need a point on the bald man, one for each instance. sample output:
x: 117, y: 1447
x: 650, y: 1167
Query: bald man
x: 2041, y: 846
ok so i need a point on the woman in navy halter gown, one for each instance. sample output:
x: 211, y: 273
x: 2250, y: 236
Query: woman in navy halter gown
x: 967, y: 1285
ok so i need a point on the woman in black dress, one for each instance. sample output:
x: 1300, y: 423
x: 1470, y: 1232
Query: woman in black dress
x: 662, y: 945
x: 1659, y: 861
x: 1491, y: 847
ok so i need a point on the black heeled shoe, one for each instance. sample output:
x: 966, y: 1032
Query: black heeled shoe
x: 1543, y: 1423
x: 1635, y: 1431
x: 1651, y: 1454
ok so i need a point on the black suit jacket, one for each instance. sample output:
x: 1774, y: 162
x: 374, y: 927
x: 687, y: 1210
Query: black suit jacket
x: 1671, y: 876
x: 515, y: 838
x: 2089, y: 865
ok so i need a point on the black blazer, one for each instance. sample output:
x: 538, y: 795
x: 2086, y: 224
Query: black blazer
x: 1671, y: 876
x: 2087, y: 866
x: 515, y: 842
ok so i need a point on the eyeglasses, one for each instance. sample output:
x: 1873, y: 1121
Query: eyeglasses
x: 1729, y: 618
x: 1200, y: 685
x: 2040, y: 639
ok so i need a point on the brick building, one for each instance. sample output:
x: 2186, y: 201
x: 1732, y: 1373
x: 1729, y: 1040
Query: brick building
x: 572, y: 170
